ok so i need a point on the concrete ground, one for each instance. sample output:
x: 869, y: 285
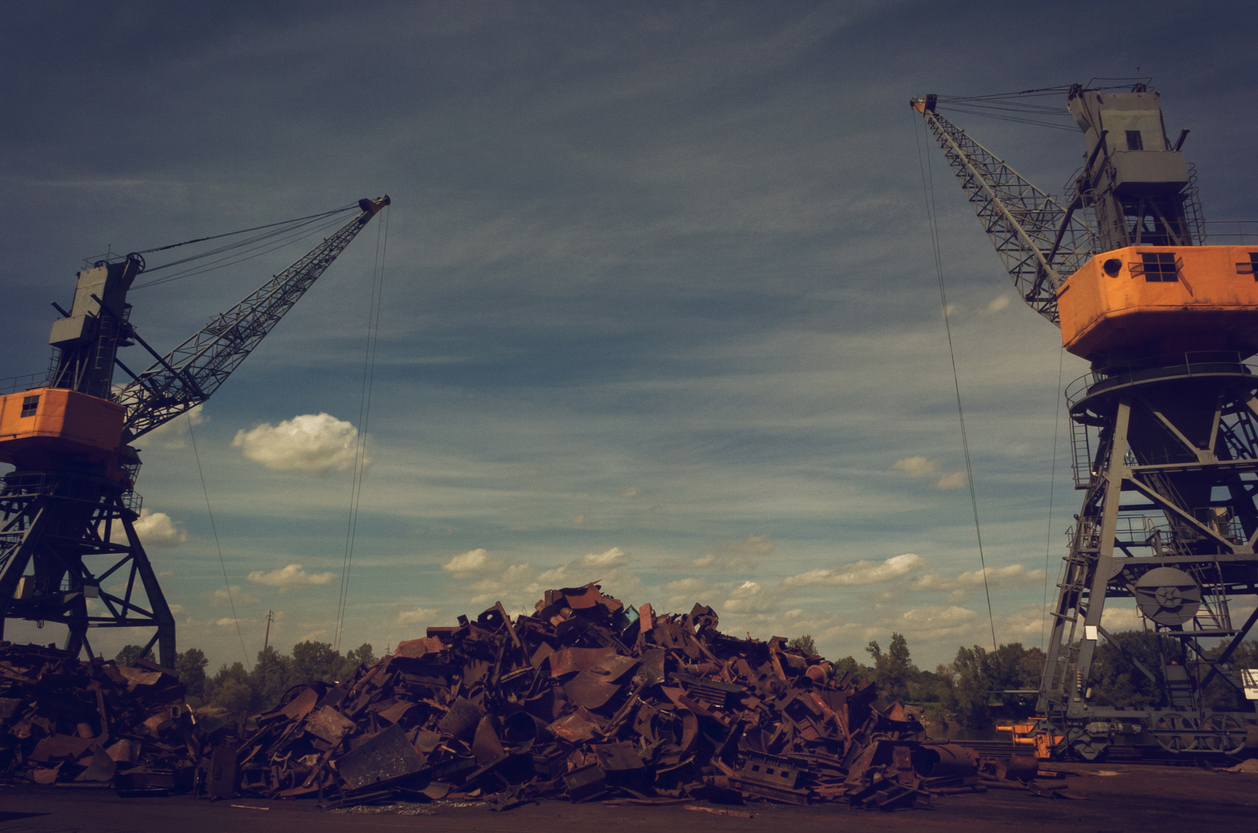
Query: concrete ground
x: 1112, y: 798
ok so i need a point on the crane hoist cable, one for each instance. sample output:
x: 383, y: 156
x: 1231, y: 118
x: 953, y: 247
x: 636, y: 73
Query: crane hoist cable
x: 1052, y: 483
x: 928, y: 190
x: 364, y: 420
x: 217, y: 544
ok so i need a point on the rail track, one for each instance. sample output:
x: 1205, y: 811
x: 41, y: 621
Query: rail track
x: 1151, y: 756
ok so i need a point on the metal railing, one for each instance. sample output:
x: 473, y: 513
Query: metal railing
x: 1202, y: 363
x: 17, y: 384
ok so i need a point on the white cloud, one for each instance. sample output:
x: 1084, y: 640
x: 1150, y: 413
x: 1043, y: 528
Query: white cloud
x: 174, y: 434
x: 613, y: 557
x: 226, y: 622
x: 861, y: 572
x: 555, y: 578
x: 915, y: 466
x: 291, y: 575
x: 579, y: 520
x: 632, y: 491
x: 316, y: 443
x: 1011, y: 575
x: 230, y: 594
x: 417, y: 616
x: 935, y: 620
x: 683, y: 593
x: 736, y: 556
x: 750, y: 597
x: 156, y: 530
x: 472, y: 561
x: 1119, y: 617
x: 998, y: 303
x: 952, y: 481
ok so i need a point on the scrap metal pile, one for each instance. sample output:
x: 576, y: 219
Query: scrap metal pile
x: 585, y: 700
x: 66, y: 720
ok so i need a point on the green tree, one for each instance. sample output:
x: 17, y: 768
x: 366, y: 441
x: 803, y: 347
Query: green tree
x: 130, y: 653
x: 979, y: 676
x: 894, y: 670
x: 272, y: 675
x: 805, y: 645
x: 191, y: 667
x: 849, y: 665
x: 230, y: 689
x: 364, y: 654
x: 315, y: 661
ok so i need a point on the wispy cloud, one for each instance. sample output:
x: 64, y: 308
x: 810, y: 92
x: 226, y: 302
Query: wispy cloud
x: 291, y: 575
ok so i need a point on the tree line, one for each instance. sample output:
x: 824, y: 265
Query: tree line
x: 979, y: 686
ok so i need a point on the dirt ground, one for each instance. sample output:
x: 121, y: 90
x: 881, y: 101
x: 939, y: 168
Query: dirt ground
x: 1106, y: 798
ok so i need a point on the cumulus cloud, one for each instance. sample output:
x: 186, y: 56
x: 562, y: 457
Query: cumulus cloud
x: 750, y: 597
x: 915, y: 466
x: 174, y: 434
x: 861, y: 572
x: 226, y: 622
x: 998, y: 303
x: 952, y: 481
x: 1119, y: 617
x: 935, y: 620
x: 687, y: 591
x: 739, y: 555
x: 156, y: 530
x: 1011, y: 575
x: 291, y: 575
x: 467, y: 563
x: 613, y: 557
x: 417, y: 616
x: 557, y: 577
x: 230, y: 594
x: 316, y: 443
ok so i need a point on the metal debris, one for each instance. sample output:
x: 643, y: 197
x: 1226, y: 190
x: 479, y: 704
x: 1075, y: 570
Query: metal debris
x: 587, y: 700
x: 62, y: 720
x: 583, y: 700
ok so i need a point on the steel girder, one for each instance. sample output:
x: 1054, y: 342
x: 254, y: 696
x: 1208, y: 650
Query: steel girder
x: 1169, y: 520
x: 62, y: 527
x: 1039, y: 241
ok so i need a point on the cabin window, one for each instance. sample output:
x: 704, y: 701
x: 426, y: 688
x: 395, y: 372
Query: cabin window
x: 1160, y: 267
x: 30, y: 404
x: 1253, y: 264
x: 1134, y: 142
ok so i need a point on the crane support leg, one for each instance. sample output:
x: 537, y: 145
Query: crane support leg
x: 1168, y: 522
x: 75, y: 535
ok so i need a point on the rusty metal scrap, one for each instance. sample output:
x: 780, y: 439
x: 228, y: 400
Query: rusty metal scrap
x: 66, y: 720
x: 585, y: 700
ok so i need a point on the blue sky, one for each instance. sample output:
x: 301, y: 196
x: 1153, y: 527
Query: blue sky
x: 659, y: 299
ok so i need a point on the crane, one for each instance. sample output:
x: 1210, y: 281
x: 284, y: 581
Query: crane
x: 1164, y: 426
x: 68, y: 508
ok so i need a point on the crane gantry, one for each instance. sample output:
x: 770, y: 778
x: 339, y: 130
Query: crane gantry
x: 69, y: 439
x: 1165, y: 426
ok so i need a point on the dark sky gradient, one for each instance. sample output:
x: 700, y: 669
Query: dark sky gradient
x: 660, y: 304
